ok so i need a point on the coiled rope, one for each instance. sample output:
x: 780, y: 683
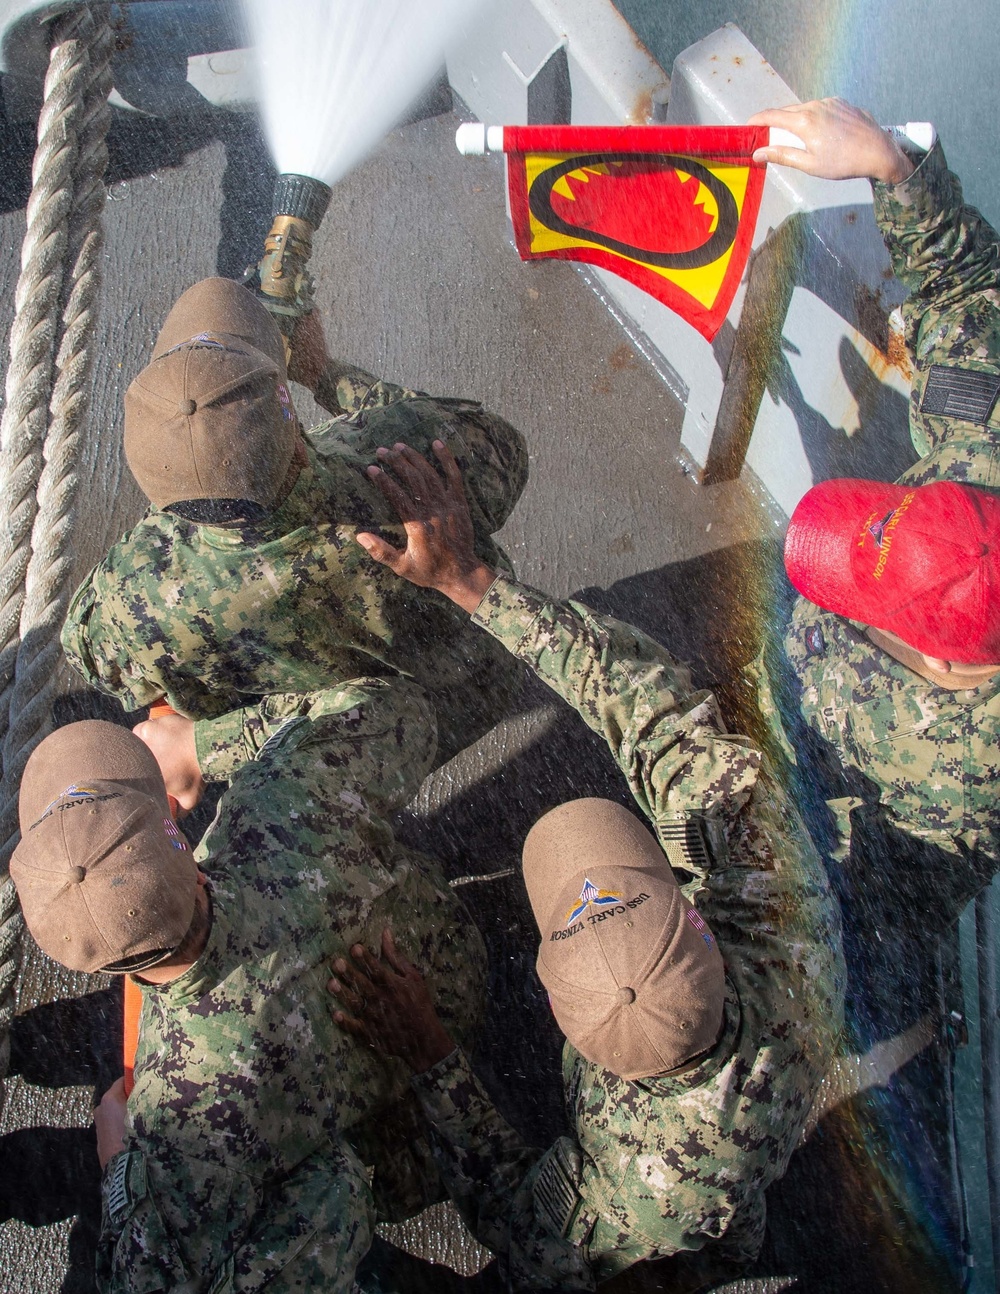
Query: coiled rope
x: 46, y: 396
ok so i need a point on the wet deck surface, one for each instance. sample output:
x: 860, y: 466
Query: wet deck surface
x: 418, y: 281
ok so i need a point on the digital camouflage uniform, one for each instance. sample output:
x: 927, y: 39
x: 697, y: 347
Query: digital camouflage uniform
x: 927, y: 756
x: 213, y: 618
x: 661, y: 1165
x: 253, y: 1115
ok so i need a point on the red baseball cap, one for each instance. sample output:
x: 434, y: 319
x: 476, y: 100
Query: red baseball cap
x: 921, y: 561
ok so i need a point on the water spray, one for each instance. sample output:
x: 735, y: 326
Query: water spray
x: 332, y: 80
x: 281, y: 276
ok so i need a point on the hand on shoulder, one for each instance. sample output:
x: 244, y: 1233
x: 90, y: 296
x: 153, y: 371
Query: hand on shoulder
x: 389, y: 1006
x: 439, y: 552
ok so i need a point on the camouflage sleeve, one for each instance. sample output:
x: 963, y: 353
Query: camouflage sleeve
x: 168, y: 1230
x: 943, y: 251
x: 948, y: 257
x: 227, y: 742
x: 317, y: 1228
x: 135, y: 1249
x: 93, y: 646
x: 669, y: 741
x: 378, y: 736
x: 522, y: 1207
x: 346, y: 389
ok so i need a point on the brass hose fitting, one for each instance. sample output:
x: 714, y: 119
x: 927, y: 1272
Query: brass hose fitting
x: 281, y: 277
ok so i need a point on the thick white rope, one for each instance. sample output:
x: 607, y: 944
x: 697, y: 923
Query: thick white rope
x: 46, y: 395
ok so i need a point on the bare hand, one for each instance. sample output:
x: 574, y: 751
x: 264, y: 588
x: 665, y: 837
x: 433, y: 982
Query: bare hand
x: 109, y: 1120
x: 171, y: 739
x: 309, y: 357
x: 439, y: 551
x: 841, y: 142
x: 390, y: 1006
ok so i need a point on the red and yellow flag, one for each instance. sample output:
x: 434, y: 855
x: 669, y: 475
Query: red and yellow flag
x: 670, y: 208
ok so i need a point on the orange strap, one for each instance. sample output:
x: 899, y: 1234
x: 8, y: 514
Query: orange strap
x: 133, y: 1008
x: 133, y: 993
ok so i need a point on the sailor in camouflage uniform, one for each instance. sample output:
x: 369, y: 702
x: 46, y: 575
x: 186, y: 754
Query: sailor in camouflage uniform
x: 243, y: 578
x: 240, y: 1158
x: 907, y: 701
x: 701, y: 1004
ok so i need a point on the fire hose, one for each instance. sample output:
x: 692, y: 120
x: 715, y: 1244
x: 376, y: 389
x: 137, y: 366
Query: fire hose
x: 133, y: 994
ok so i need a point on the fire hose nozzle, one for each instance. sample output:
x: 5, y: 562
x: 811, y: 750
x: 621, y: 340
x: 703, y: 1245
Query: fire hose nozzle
x: 280, y: 277
x: 302, y: 197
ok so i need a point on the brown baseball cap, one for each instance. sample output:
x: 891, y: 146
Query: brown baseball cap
x: 222, y: 306
x: 634, y: 974
x: 105, y: 879
x: 211, y: 416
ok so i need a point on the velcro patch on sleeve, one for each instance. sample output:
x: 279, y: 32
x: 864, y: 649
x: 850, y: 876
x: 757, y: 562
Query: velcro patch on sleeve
x: 683, y: 841
x: 222, y: 1282
x: 126, y: 1187
x: 283, y: 735
x: 556, y: 1196
x: 965, y: 393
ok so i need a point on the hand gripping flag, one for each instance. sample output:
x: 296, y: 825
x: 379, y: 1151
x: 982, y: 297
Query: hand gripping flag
x: 671, y: 209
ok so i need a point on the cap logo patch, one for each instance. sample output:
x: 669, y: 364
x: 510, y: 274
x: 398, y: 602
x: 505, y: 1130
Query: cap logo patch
x: 203, y: 341
x: 877, y: 528
x: 882, y: 532
x: 591, y: 895
x: 698, y: 922
x: 606, y: 904
x: 71, y: 797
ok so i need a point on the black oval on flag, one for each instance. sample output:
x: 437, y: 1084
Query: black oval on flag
x: 540, y: 204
